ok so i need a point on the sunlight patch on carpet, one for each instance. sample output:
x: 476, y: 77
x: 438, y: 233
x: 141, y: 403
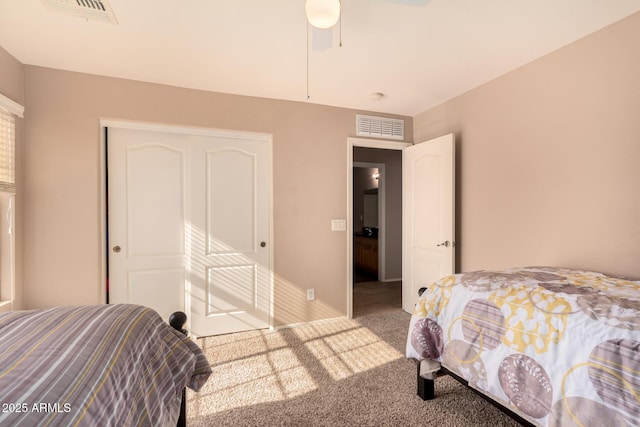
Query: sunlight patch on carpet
x: 351, y: 352
x: 286, y: 363
x: 278, y: 374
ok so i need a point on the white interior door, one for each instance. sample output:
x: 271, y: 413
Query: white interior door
x: 229, y: 249
x: 189, y: 226
x: 428, y: 215
x: 147, y: 202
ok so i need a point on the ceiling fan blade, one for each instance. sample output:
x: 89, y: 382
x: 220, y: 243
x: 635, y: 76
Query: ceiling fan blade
x: 321, y: 39
x: 409, y: 2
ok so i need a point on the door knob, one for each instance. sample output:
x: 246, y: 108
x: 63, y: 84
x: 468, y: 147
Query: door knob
x: 263, y: 244
x: 117, y: 249
x: 446, y: 244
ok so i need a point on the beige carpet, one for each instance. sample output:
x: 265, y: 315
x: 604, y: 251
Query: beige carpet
x: 335, y: 373
x: 374, y: 297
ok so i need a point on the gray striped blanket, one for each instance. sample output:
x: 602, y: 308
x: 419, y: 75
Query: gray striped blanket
x: 106, y: 365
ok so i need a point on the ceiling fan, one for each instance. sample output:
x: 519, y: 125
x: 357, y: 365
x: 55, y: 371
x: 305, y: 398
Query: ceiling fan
x: 325, y: 14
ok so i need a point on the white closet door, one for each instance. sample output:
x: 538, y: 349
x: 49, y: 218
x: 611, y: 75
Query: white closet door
x: 189, y: 226
x: 228, y: 252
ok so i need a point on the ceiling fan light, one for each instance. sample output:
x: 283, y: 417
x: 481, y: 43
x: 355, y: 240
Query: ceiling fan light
x: 322, y: 13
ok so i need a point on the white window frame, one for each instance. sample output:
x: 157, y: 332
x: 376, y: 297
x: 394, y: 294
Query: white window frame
x: 7, y: 212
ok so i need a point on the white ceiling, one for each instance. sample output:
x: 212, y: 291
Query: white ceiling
x: 419, y: 53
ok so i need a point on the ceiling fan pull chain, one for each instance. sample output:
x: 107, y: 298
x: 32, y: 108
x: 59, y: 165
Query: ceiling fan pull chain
x: 340, y: 27
x: 308, y: 61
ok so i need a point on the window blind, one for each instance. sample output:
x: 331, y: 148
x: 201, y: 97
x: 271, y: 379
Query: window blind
x: 7, y: 152
x: 9, y: 110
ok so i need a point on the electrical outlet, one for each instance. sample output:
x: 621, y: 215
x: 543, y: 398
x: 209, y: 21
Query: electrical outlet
x: 311, y: 294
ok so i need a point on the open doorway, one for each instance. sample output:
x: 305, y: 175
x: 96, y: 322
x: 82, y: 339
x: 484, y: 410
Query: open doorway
x: 374, y: 241
x: 368, y: 213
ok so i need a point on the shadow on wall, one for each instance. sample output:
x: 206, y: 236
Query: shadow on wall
x: 232, y: 286
x: 292, y: 307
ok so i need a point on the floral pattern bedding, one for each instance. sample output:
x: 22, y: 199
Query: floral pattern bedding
x: 557, y: 346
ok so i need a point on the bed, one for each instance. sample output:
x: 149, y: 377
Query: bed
x: 103, y: 365
x: 551, y: 346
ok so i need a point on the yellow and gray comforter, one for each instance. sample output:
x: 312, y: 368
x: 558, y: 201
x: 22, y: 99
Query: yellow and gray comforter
x: 560, y: 347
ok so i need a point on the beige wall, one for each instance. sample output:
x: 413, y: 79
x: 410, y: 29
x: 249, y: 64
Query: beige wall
x: 62, y: 183
x: 11, y: 77
x: 547, y: 170
x: 549, y: 159
x: 12, y: 86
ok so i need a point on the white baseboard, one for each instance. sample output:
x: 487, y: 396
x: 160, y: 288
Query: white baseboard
x: 6, y: 306
x: 313, y: 322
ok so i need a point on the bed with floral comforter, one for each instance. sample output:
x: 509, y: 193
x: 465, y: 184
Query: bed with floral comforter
x: 555, y: 346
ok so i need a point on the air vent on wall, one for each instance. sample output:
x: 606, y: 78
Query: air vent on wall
x: 95, y: 10
x: 379, y: 127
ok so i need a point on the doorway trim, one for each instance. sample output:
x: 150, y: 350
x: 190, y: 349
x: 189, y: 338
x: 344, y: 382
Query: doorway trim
x: 365, y: 143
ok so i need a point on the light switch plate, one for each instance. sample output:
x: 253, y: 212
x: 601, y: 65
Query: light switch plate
x: 338, y: 225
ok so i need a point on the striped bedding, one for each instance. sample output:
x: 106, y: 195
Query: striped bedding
x: 106, y: 365
x: 559, y: 347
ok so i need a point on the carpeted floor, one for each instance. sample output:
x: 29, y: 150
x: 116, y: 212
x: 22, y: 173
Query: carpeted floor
x: 374, y: 297
x: 335, y: 373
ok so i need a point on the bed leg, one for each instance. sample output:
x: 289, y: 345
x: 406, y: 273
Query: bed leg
x: 426, y: 387
x: 182, y: 419
x: 177, y: 320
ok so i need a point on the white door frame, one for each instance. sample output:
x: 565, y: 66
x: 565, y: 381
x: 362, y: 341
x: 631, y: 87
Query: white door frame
x: 191, y: 130
x: 366, y: 143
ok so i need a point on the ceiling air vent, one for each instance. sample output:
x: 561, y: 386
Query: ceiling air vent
x: 95, y: 10
x: 379, y: 127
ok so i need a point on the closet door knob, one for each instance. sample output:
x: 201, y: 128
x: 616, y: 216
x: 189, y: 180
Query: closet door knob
x: 117, y: 249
